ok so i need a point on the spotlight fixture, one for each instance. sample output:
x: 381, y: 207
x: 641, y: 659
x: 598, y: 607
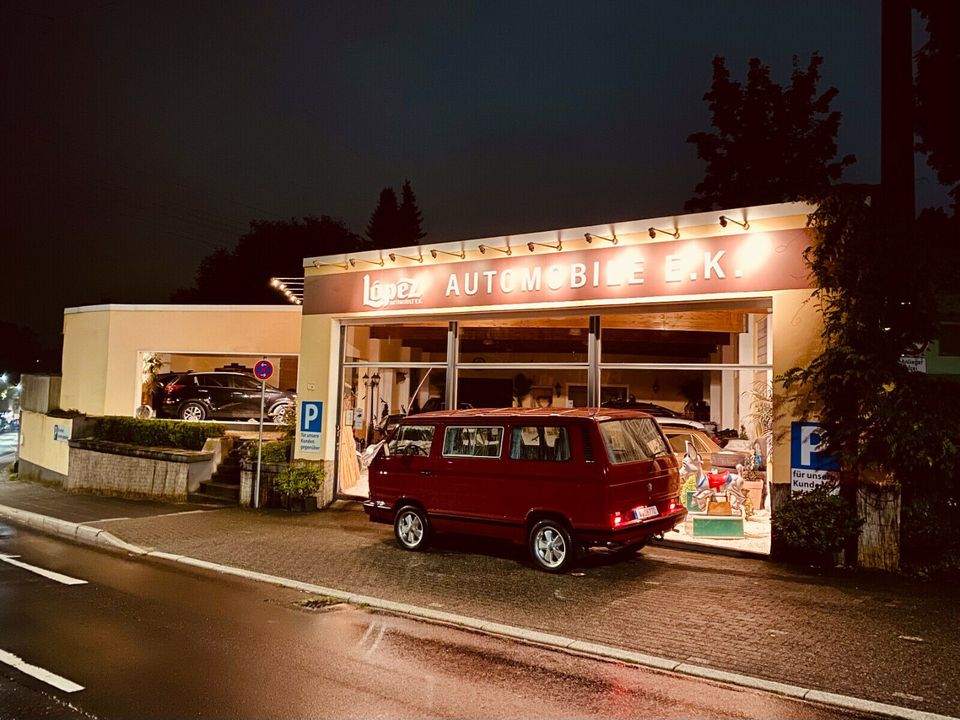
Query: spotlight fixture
x: 318, y: 264
x: 724, y: 220
x: 506, y: 251
x: 353, y: 262
x: 393, y: 257
x: 589, y: 237
x: 652, y: 232
x: 433, y: 253
x: 558, y: 247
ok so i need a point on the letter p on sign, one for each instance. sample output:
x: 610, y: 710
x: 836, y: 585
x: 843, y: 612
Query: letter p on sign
x: 311, y: 416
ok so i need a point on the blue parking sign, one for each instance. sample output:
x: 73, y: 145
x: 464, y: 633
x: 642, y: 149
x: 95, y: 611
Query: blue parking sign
x: 808, y: 448
x: 311, y: 416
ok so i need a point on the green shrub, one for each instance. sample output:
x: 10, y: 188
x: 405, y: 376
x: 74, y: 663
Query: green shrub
x: 155, y: 433
x: 299, y: 480
x: 813, y: 526
x: 275, y: 452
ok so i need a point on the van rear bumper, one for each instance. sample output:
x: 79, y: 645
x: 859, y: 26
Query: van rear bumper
x: 631, y: 535
x: 378, y: 511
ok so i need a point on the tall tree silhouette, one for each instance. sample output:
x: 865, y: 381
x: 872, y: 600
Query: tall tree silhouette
x: 270, y: 249
x: 770, y: 143
x: 937, y: 105
x: 409, y: 219
x: 383, y: 228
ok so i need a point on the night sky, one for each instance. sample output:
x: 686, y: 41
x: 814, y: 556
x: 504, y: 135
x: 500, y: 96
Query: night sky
x: 138, y: 136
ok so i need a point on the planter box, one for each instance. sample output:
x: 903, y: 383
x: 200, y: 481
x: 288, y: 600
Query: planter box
x: 718, y: 526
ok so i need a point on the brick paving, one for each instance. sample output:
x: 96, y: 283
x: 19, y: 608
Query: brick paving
x: 883, y: 638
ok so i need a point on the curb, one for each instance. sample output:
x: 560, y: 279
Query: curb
x: 102, y: 538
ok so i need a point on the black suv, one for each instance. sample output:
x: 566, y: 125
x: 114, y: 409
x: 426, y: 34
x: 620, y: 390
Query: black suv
x: 221, y: 396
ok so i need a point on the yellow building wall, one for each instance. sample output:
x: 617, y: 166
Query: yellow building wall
x: 103, y: 345
x: 318, y: 380
x: 797, y: 325
x: 86, y: 337
x: 37, y: 443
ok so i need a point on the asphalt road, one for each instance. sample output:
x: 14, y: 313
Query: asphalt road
x: 148, y: 640
x: 8, y: 447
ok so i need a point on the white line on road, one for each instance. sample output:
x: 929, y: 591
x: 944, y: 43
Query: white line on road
x: 49, y: 574
x: 61, y: 683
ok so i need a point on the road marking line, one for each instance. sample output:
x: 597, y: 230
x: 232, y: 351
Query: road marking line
x: 61, y: 683
x: 90, y: 522
x: 49, y: 574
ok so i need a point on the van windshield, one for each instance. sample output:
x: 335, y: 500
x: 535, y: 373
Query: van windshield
x: 633, y: 440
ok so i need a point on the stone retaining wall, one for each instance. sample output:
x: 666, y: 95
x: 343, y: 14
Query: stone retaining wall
x: 122, y: 470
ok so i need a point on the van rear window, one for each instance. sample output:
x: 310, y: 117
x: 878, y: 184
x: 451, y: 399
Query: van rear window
x: 472, y: 441
x: 633, y: 440
x: 544, y: 443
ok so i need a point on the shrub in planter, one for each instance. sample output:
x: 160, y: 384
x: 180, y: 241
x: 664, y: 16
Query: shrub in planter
x: 274, y: 453
x: 299, y: 483
x: 814, y: 526
x: 155, y: 433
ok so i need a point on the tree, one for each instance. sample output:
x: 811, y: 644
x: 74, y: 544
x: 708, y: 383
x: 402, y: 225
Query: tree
x: 770, y: 144
x: 881, y: 419
x: 383, y: 228
x: 409, y: 220
x: 937, y: 105
x: 269, y: 249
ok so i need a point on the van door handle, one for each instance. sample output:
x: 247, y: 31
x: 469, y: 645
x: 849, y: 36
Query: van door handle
x: 426, y: 472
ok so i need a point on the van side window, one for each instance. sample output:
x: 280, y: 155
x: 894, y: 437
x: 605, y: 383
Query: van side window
x: 411, y: 440
x: 545, y: 443
x: 472, y: 441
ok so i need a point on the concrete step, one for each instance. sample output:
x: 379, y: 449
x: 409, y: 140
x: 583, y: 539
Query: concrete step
x: 227, y: 491
x: 202, y: 498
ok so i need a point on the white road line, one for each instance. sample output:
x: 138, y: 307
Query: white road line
x: 61, y: 683
x: 49, y: 574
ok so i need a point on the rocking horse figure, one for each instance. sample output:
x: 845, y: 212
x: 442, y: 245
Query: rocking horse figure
x: 711, y: 484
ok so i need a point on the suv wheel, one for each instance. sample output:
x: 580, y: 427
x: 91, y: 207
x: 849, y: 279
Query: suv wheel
x: 551, y: 546
x: 282, y: 414
x: 193, y: 412
x: 411, y: 528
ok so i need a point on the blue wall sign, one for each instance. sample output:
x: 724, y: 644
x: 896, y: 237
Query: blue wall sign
x: 811, y: 463
x: 311, y: 416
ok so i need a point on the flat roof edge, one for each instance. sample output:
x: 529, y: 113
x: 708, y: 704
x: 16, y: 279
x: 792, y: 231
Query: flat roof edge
x: 173, y: 307
x: 625, y: 227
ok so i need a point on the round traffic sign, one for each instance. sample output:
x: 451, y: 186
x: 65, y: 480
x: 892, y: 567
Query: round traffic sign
x: 263, y: 369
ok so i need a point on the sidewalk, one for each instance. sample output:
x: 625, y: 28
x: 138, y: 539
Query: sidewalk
x: 885, y: 639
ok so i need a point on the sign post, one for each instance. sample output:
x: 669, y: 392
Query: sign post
x: 263, y: 370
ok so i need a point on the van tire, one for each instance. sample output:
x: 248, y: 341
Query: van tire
x: 411, y: 528
x: 551, y: 546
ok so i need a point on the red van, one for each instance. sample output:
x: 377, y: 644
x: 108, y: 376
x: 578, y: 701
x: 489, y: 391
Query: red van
x: 557, y: 480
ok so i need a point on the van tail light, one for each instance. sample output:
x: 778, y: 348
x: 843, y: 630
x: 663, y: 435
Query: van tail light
x: 673, y: 505
x: 616, y: 520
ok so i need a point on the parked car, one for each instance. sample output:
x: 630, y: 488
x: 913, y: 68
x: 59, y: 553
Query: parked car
x: 664, y: 416
x: 221, y: 396
x: 712, y: 454
x: 557, y: 480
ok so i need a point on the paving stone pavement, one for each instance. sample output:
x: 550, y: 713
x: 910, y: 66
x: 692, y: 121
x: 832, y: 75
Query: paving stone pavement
x: 882, y: 638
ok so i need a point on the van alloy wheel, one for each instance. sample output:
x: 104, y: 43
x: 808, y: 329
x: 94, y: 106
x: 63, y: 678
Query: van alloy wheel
x: 551, y: 546
x: 411, y: 528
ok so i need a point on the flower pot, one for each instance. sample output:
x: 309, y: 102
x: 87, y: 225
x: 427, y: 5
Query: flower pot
x: 298, y: 504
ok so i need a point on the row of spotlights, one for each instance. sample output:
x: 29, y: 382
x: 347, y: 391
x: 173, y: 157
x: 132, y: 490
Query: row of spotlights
x: 531, y: 246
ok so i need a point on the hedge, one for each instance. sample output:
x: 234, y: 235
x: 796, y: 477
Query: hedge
x: 155, y: 433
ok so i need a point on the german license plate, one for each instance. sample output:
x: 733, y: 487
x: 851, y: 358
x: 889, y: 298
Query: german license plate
x: 642, y: 513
